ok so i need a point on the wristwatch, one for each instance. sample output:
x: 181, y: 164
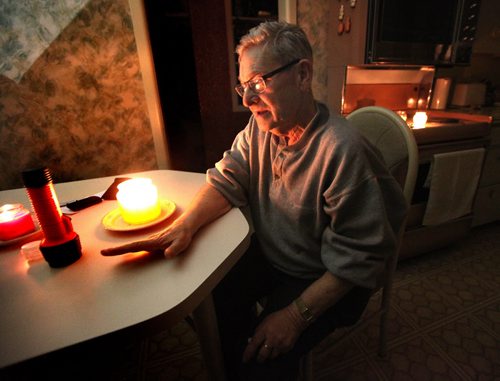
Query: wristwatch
x: 305, y: 312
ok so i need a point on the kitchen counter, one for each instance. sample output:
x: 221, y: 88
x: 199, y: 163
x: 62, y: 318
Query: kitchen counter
x: 435, y: 132
x: 492, y: 112
x: 451, y: 130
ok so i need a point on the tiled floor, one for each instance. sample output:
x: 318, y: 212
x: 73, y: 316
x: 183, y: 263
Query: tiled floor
x: 444, y: 325
x: 445, y: 322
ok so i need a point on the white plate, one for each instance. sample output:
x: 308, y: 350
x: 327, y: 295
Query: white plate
x: 114, y: 221
x: 33, y: 234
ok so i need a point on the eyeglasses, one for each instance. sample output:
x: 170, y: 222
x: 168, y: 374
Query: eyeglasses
x: 258, y: 84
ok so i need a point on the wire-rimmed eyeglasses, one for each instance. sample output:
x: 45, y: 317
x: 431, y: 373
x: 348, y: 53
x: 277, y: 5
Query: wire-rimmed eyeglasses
x: 258, y: 84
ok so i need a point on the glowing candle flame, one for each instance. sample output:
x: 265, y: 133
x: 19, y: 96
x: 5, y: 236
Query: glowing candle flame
x: 138, y: 201
x: 8, y: 212
x: 403, y: 115
x: 410, y: 103
x: 419, y: 119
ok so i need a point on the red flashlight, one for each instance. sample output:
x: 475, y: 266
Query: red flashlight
x: 61, y: 245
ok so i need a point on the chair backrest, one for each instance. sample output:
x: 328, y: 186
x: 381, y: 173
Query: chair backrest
x: 387, y: 131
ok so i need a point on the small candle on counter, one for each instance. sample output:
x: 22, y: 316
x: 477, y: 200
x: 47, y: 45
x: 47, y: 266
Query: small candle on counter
x: 403, y: 115
x: 138, y: 201
x: 419, y: 119
x: 15, y: 221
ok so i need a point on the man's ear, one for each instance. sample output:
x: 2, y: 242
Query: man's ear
x: 305, y: 73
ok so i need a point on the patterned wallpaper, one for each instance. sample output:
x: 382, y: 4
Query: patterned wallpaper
x: 80, y: 109
x: 313, y: 16
x: 28, y: 29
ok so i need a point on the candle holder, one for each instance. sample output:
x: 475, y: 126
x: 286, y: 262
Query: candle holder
x: 15, y: 221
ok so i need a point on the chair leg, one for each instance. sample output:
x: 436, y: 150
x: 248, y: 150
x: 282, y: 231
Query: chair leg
x: 382, y: 348
x: 386, y: 302
x: 384, y: 316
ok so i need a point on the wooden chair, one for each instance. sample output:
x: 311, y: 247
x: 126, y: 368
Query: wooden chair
x: 392, y: 136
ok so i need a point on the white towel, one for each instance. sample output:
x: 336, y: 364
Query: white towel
x: 453, y: 184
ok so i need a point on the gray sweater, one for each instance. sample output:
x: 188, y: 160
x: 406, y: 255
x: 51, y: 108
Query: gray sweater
x: 325, y: 203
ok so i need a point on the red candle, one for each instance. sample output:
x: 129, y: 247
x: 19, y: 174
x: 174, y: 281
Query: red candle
x: 15, y: 221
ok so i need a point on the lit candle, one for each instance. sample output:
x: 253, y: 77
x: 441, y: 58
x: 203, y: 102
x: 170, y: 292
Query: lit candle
x: 403, y: 115
x: 419, y: 119
x: 410, y: 103
x: 15, y: 221
x: 138, y: 201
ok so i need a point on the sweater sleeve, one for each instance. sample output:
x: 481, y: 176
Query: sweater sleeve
x: 364, y: 226
x: 231, y: 175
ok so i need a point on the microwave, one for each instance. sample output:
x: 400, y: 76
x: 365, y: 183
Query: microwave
x: 421, y: 32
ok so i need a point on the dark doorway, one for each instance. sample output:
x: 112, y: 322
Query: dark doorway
x: 172, y: 45
x: 192, y: 43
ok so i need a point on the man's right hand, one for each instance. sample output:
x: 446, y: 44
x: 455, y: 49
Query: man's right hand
x: 172, y: 241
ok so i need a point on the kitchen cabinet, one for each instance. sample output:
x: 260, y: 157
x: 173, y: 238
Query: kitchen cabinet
x: 421, y: 32
x: 487, y: 202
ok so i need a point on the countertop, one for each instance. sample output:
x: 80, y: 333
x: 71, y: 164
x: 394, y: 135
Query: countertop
x: 491, y: 111
x: 453, y: 125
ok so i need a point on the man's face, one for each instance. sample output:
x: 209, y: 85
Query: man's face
x: 277, y: 108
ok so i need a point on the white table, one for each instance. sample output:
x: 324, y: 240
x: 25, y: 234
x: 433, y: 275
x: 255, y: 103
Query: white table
x: 45, y: 309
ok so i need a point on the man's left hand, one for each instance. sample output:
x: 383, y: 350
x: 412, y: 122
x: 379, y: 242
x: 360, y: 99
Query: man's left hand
x: 276, y: 335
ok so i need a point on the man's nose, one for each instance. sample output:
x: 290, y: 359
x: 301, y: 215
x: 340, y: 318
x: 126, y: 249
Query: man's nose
x: 249, y: 97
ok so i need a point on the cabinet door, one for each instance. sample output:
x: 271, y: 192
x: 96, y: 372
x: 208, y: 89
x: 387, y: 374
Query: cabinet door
x: 491, y: 168
x: 487, y: 205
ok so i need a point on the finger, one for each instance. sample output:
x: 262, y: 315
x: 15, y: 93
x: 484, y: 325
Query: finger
x: 274, y: 353
x: 146, y: 245
x: 251, y: 349
x: 265, y: 353
x: 170, y: 252
x: 175, y: 248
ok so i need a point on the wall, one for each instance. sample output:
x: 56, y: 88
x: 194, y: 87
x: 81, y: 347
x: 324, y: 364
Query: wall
x: 80, y: 109
x: 313, y: 17
x: 332, y: 51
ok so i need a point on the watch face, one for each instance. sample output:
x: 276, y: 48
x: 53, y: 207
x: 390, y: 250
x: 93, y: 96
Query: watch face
x: 304, y: 310
x: 307, y: 314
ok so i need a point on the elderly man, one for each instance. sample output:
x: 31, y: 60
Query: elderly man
x: 325, y: 210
